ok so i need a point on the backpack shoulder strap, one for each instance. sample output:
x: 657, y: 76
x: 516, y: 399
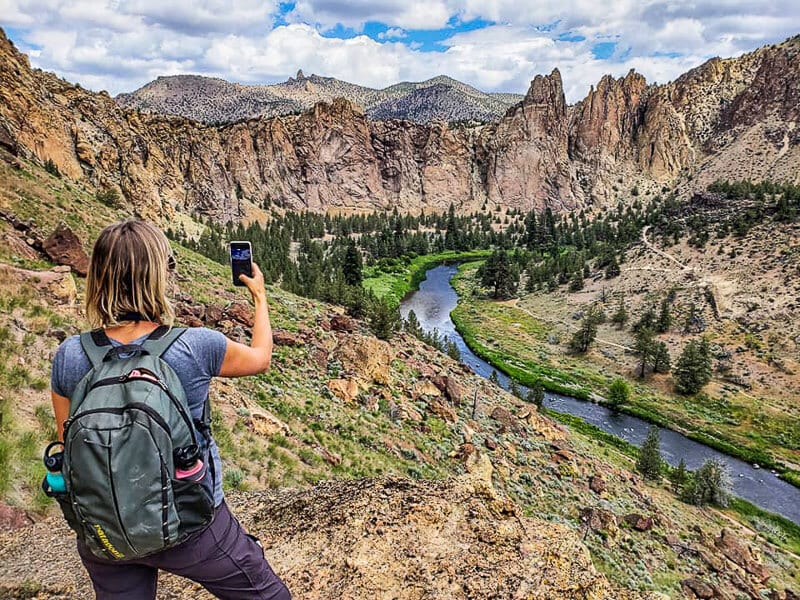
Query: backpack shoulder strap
x: 162, y: 338
x: 96, y: 345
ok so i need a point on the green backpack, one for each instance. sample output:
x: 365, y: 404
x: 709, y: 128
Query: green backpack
x: 129, y: 444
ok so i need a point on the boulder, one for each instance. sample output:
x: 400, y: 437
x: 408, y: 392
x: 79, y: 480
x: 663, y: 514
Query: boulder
x: 696, y: 588
x: 344, y: 389
x: 240, y: 313
x: 64, y: 247
x: 442, y: 409
x: 507, y: 421
x: 638, y: 522
x: 213, y: 314
x: 597, y: 484
x: 426, y: 387
x: 281, y: 337
x: 741, y: 554
x: 366, y: 357
x: 490, y: 443
x: 600, y: 520
x: 343, y: 323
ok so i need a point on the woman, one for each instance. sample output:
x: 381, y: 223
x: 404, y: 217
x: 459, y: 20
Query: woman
x: 126, y: 295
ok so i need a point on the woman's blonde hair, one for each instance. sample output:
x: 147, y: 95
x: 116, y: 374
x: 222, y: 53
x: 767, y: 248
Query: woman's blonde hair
x: 128, y: 274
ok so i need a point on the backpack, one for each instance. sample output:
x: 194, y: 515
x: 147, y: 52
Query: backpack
x: 136, y: 467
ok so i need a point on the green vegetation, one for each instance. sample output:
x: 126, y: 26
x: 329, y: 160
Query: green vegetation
x: 693, y: 368
x: 710, y: 484
x: 619, y: 392
x: 649, y: 462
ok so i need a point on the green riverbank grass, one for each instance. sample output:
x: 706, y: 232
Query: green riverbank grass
x: 526, y: 349
x: 394, y: 279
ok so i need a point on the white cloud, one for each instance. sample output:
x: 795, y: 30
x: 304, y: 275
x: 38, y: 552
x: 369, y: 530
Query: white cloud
x: 108, y: 44
x: 393, y: 33
x: 408, y: 14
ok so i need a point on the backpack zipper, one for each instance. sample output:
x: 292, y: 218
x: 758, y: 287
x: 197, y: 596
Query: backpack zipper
x: 155, y: 381
x: 118, y: 410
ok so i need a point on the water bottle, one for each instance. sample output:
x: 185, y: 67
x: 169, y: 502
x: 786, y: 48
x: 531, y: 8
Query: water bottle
x: 54, y: 481
x: 188, y: 464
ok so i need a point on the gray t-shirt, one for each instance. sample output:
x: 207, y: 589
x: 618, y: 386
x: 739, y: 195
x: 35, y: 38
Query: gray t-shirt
x: 196, y: 357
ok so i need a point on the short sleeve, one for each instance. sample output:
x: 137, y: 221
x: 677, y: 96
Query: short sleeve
x: 208, y: 347
x: 58, y: 370
x: 70, y: 364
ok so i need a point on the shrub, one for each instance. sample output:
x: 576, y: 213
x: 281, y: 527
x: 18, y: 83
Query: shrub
x: 108, y: 196
x: 711, y: 484
x: 619, y: 392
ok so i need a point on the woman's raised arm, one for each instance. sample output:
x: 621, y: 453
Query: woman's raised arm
x: 241, y: 360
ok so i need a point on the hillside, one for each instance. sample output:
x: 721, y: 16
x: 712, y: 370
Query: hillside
x: 215, y: 101
x: 726, y: 119
x: 442, y: 482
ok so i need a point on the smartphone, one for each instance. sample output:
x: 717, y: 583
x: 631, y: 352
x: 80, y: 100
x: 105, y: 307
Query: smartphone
x: 241, y: 260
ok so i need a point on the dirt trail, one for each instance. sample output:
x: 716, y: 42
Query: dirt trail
x: 669, y: 257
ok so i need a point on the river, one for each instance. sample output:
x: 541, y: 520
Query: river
x: 432, y: 304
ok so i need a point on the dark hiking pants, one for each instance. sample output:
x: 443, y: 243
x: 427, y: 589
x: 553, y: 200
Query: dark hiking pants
x: 224, y: 559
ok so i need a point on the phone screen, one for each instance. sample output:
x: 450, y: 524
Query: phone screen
x: 241, y: 260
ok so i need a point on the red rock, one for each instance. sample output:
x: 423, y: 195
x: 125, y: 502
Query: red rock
x: 638, y: 522
x: 438, y: 407
x: 696, y: 588
x: 741, y: 554
x: 320, y: 357
x: 191, y: 321
x: 213, y: 314
x: 343, y: 323
x: 64, y: 248
x: 12, y: 518
x: 241, y: 313
x: 281, y: 337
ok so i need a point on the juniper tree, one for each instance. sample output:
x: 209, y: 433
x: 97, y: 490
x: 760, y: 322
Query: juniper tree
x: 664, y: 317
x: 587, y: 332
x: 693, y: 369
x: 710, y: 484
x: 661, y: 360
x: 535, y: 395
x: 620, y: 316
x: 650, y: 462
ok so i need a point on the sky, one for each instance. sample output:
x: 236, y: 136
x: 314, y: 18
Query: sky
x: 494, y: 45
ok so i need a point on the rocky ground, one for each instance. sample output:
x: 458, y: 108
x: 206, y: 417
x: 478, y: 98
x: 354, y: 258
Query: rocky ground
x: 364, y: 465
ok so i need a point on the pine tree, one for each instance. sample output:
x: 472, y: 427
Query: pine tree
x: 693, y: 368
x: 664, y: 317
x: 452, y: 350
x: 587, y: 332
x: 661, y: 360
x: 645, y: 346
x: 412, y: 325
x: 650, y: 462
x: 494, y: 378
x: 620, y: 316
x: 353, y: 265
x: 679, y: 477
x: 514, y: 389
x: 383, y: 317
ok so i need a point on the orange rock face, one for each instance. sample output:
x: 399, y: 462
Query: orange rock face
x: 542, y: 153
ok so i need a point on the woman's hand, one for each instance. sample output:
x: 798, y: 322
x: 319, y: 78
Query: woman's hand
x: 255, y: 283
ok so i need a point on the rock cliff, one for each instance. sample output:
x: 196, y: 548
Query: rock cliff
x: 727, y: 118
